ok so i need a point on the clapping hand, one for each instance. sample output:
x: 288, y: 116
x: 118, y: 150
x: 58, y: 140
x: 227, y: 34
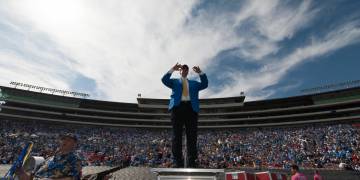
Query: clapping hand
x: 197, y: 69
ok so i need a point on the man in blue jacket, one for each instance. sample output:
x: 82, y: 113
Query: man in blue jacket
x: 184, y: 108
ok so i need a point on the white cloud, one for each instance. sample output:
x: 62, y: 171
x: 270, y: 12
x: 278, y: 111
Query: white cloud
x: 126, y: 46
x: 268, y: 23
x: 271, y: 73
x: 23, y: 70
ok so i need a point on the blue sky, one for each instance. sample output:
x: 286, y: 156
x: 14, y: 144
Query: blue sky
x: 114, y: 50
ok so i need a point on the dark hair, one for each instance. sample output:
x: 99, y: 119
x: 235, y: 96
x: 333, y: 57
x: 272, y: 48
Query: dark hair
x: 70, y: 135
x: 295, y: 167
x: 185, y: 67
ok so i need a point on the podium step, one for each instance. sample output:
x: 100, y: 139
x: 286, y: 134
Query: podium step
x: 188, y: 174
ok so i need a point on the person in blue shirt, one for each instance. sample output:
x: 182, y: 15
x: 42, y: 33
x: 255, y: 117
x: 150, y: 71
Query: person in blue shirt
x: 64, y: 165
x: 184, y: 108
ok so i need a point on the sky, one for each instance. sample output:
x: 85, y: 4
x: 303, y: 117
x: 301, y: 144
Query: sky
x: 116, y: 49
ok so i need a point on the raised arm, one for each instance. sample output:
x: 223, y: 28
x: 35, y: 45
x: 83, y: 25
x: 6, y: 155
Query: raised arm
x: 203, y: 78
x: 166, y: 78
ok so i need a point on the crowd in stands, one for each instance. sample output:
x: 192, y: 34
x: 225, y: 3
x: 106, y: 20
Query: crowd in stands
x: 317, y: 146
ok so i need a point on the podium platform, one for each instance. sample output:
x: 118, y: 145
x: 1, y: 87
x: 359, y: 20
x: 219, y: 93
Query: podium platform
x: 188, y: 174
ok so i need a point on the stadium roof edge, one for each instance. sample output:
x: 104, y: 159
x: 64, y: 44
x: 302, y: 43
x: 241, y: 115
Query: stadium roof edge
x: 264, y: 100
x: 310, y: 95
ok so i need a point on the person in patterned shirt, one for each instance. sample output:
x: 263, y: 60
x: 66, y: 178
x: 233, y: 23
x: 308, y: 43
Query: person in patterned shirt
x: 64, y: 165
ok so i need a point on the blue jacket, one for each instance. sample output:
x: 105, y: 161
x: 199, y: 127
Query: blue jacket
x: 176, y: 86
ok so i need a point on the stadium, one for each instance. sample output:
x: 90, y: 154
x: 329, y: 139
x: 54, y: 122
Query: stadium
x: 317, y: 131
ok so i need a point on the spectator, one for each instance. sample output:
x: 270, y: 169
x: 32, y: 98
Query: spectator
x: 311, y: 146
x: 64, y: 165
x: 296, y: 175
x: 317, y: 175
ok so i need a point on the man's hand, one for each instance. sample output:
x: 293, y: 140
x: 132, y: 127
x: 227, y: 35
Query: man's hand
x: 177, y: 67
x: 197, y: 69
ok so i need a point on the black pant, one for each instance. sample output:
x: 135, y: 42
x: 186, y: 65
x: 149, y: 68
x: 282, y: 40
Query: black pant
x: 181, y: 115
